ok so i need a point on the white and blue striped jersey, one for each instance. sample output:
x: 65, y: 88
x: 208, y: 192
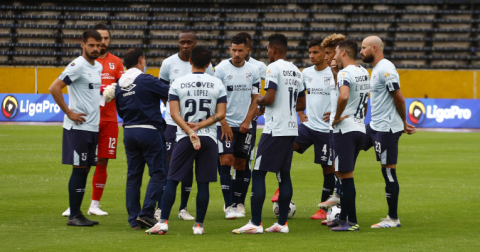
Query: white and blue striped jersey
x: 172, y: 68
x: 317, y: 84
x: 83, y: 84
x: 358, y: 79
x: 281, y: 116
x: 385, y: 79
x: 241, y: 83
x: 262, y: 68
x: 198, y: 95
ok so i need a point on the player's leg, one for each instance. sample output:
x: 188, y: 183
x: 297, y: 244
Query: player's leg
x: 180, y: 165
x: 186, y: 187
x: 152, y: 148
x: 205, y: 172
x: 242, y: 147
x: 225, y: 150
x: 347, y: 147
x: 334, y: 199
x: 136, y: 166
x: 76, y: 147
x: 386, y: 147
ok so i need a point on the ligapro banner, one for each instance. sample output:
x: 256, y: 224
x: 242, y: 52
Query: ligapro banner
x: 423, y: 113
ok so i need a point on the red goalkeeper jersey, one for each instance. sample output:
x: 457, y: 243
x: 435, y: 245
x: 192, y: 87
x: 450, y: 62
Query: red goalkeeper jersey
x: 112, y: 71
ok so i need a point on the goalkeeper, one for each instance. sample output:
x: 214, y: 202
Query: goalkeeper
x: 137, y: 98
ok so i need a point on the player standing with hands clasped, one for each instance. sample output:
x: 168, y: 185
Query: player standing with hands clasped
x: 197, y: 102
x: 388, y: 122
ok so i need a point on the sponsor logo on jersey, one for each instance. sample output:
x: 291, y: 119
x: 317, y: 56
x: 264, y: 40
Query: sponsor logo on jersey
x: 387, y: 75
x: 111, y: 65
x: 10, y: 107
x: 129, y: 87
x: 342, y: 74
x: 94, y: 85
x: 309, y: 80
x: 106, y: 76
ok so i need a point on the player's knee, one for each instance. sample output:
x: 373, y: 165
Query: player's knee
x: 226, y: 160
x: 391, y: 166
x: 102, y: 161
x: 239, y: 164
x: 327, y: 169
x: 296, y: 147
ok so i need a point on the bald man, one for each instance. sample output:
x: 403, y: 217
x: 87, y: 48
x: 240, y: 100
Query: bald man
x: 388, y: 122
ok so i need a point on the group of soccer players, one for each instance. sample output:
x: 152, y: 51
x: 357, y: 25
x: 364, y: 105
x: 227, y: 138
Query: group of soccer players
x: 211, y: 123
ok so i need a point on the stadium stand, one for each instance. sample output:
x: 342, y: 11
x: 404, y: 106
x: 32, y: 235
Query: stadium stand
x: 438, y: 34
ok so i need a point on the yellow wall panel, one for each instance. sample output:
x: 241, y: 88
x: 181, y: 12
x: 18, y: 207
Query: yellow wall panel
x: 45, y: 78
x: 17, y: 80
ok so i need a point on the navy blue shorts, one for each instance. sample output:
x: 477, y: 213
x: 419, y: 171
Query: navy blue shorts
x: 385, y: 143
x: 79, y: 147
x: 144, y: 146
x: 306, y: 137
x: 240, y: 146
x: 274, y: 154
x: 346, y: 148
x: 206, y: 160
x: 170, y: 136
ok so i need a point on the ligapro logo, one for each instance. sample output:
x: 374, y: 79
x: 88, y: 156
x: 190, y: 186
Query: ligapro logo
x: 10, y: 107
x: 417, y: 112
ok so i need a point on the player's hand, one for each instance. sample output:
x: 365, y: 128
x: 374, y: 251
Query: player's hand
x: 326, y: 116
x: 227, y: 133
x: 334, y: 67
x: 335, y: 121
x: 244, y: 127
x: 259, y: 112
x: 109, y: 92
x: 409, y: 129
x: 303, y: 117
x: 193, y: 126
x: 77, y: 117
x: 195, y: 141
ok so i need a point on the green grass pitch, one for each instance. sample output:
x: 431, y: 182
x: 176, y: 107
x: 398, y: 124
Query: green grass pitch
x: 438, y: 207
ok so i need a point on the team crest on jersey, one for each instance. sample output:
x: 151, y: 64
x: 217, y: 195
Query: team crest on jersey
x: 73, y: 64
x: 249, y: 77
x: 111, y: 65
x: 129, y: 87
x: 327, y: 81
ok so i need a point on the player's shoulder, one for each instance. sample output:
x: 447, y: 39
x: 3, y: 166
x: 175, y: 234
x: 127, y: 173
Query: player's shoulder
x: 308, y: 70
x: 170, y: 60
x: 78, y: 62
x: 385, y: 63
x: 251, y: 67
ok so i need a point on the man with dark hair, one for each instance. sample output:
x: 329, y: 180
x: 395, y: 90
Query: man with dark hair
x: 388, y: 122
x: 108, y: 129
x: 172, y: 68
x: 235, y: 133
x: 348, y: 129
x: 82, y: 117
x: 193, y: 98
x: 275, y: 150
x: 313, y: 129
x: 137, y: 98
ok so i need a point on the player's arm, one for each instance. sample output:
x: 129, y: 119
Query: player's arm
x: 175, y: 113
x: 56, y: 91
x: 399, y: 102
x: 301, y: 102
x: 270, y: 88
x: 252, y: 112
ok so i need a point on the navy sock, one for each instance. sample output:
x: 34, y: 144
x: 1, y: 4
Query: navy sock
x: 246, y: 182
x: 76, y: 189
x: 343, y: 209
x: 226, y: 183
x: 203, y: 197
x: 168, y: 198
x: 392, y: 189
x: 186, y: 188
x: 258, y: 195
x: 238, y: 186
x: 349, y: 194
x: 338, y: 186
x: 284, y: 196
x: 328, y: 185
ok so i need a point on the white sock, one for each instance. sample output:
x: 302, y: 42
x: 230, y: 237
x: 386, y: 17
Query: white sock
x: 95, y: 203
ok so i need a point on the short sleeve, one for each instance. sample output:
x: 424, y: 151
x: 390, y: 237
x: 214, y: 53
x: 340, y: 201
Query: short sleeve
x: 343, y: 79
x: 222, y: 95
x: 391, y: 79
x: 164, y: 71
x: 71, y: 73
x: 271, y: 79
x: 209, y: 70
x: 173, y: 93
x: 263, y: 71
x: 256, y: 83
x: 218, y: 73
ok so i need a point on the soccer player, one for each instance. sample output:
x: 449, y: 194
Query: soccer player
x: 82, y: 117
x: 197, y: 102
x: 173, y: 67
x: 329, y: 44
x: 388, y: 122
x: 313, y: 129
x: 137, y: 98
x: 283, y: 86
x: 248, y: 171
x: 349, y: 129
x: 235, y: 133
